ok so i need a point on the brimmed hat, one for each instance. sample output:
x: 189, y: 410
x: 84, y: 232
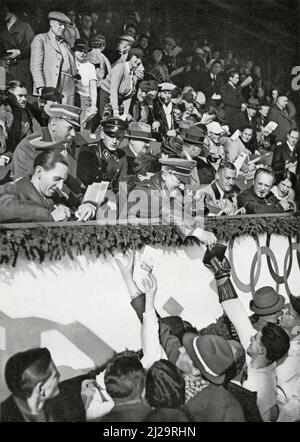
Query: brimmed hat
x: 51, y: 94
x: 149, y: 85
x: 139, y: 131
x: 194, y: 135
x: 180, y: 168
x: 214, y: 127
x: 81, y: 44
x: 253, y: 103
x: 266, y: 301
x: 59, y: 16
x: 127, y: 38
x: 113, y: 125
x: 66, y: 112
x: 166, y: 87
x: 170, y: 41
x: 211, y: 354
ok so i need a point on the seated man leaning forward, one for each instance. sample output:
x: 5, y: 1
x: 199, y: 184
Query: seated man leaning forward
x: 165, y: 197
x: 221, y: 194
x: 258, y: 199
x: 31, y: 198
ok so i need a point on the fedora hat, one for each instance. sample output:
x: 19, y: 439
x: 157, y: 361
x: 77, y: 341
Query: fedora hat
x: 211, y: 354
x: 139, y: 131
x: 194, y: 135
x: 266, y: 301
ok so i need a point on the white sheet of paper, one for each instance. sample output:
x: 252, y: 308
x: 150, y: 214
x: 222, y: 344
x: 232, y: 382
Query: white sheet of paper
x: 235, y: 135
x: 96, y: 192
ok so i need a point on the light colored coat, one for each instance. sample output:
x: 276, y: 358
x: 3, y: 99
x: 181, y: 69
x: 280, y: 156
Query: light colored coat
x: 46, y: 61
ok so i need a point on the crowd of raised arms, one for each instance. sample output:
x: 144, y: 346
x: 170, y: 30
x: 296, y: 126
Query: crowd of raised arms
x: 97, y: 98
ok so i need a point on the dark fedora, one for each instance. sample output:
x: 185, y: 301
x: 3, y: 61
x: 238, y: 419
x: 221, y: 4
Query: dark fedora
x: 139, y: 131
x: 266, y: 301
x: 181, y: 168
x: 211, y: 354
x: 194, y: 135
x: 253, y: 103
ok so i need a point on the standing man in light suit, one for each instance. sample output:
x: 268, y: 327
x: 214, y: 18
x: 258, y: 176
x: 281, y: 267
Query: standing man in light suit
x: 52, y: 62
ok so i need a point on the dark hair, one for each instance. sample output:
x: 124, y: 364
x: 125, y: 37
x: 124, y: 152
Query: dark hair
x: 247, y: 127
x: 48, y: 159
x: 13, y: 84
x: 226, y: 165
x: 216, y: 62
x: 135, y: 51
x: 287, y: 174
x: 266, y: 169
x: 232, y: 73
x: 165, y: 385
x: 125, y: 376
x: 26, y: 369
x: 146, y: 162
x: 275, y: 340
x: 294, y: 129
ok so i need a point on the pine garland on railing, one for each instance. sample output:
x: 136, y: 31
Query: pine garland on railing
x: 53, y: 241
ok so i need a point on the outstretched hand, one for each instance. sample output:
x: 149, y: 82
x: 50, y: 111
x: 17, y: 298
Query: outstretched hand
x: 150, y: 285
x: 125, y: 261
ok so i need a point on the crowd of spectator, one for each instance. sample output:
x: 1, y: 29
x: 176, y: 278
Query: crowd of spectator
x: 117, y: 102
x: 86, y: 100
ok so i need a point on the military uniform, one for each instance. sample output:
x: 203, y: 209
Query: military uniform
x: 96, y: 163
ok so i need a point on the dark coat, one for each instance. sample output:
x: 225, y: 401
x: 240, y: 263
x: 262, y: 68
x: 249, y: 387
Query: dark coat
x: 214, y: 404
x: 66, y: 407
x: 159, y: 206
x: 127, y: 413
x: 281, y: 155
x: 248, y: 401
x: 21, y: 202
x: 16, y: 133
x: 210, y: 87
x: 19, y: 37
x: 96, y: 163
x: 285, y: 123
x: 232, y: 99
x: 159, y: 115
x: 255, y: 205
x: 206, y: 171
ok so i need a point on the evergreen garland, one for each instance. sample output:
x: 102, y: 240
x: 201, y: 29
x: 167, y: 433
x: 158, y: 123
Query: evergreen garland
x: 54, y: 241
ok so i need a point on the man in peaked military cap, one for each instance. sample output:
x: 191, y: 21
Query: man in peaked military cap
x: 103, y: 160
x: 161, y: 197
x: 59, y: 135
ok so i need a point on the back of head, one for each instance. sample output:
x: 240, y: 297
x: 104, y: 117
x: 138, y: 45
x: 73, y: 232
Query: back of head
x: 25, y: 370
x: 165, y: 386
x: 275, y: 340
x: 125, y: 377
x: 48, y: 159
x: 167, y: 415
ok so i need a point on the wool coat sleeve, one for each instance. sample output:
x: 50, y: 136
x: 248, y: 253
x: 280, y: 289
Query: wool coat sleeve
x: 15, y: 209
x: 37, y: 61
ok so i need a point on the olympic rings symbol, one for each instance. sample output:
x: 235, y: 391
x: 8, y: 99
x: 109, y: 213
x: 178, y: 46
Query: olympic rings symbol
x: 255, y: 269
